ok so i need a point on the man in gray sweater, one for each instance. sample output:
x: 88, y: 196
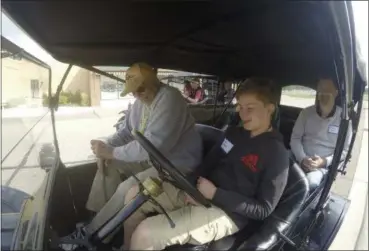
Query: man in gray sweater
x: 315, y: 133
x: 161, y: 114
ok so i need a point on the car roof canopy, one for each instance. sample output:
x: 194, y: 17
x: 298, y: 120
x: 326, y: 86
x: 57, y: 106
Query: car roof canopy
x: 9, y: 49
x: 287, y: 41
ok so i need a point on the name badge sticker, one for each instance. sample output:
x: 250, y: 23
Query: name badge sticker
x: 333, y: 129
x: 226, y: 146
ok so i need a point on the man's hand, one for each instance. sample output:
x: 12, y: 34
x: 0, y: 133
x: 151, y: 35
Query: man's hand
x: 206, y: 187
x: 307, y: 164
x: 318, y: 162
x: 102, y: 150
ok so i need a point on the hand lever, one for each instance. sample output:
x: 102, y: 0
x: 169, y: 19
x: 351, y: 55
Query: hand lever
x: 171, y: 223
x: 141, y: 187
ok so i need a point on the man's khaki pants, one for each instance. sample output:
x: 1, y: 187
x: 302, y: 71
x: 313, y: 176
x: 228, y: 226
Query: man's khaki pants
x: 193, y: 224
x: 108, y: 189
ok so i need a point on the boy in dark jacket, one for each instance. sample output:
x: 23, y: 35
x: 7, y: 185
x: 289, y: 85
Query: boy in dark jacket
x: 244, y: 177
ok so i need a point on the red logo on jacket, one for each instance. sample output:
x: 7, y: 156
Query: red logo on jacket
x: 250, y: 161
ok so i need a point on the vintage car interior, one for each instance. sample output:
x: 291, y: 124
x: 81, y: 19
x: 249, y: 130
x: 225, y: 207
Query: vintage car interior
x: 294, y: 197
x: 296, y: 201
x: 289, y: 42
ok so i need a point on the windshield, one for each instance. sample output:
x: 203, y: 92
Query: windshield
x: 27, y: 139
x: 90, y: 107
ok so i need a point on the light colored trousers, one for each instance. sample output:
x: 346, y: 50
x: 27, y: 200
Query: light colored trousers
x: 315, y: 177
x: 107, y: 196
x: 193, y: 224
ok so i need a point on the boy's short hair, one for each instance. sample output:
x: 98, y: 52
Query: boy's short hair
x: 263, y: 88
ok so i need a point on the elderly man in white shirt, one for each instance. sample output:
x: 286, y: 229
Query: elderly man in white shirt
x: 315, y: 133
x: 162, y: 115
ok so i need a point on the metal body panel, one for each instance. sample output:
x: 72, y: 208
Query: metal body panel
x: 9, y: 223
x: 12, y: 201
x: 327, y: 224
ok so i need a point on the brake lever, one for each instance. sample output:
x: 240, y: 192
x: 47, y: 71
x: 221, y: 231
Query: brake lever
x: 171, y: 222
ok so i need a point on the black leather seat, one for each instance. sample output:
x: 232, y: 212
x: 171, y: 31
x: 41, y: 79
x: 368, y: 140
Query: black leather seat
x: 264, y: 235
x: 286, y: 213
x: 210, y: 136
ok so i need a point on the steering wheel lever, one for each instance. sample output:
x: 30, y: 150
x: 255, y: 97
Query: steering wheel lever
x: 152, y: 187
x: 171, y: 222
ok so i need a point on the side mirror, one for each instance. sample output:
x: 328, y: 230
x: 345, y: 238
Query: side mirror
x: 46, y: 156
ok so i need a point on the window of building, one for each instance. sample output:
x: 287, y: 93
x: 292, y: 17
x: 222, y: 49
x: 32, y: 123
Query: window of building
x: 35, y: 88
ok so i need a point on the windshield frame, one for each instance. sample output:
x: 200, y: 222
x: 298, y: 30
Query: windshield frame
x: 13, y: 49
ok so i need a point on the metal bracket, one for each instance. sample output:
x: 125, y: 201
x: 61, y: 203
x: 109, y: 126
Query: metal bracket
x: 54, y: 100
x: 287, y: 240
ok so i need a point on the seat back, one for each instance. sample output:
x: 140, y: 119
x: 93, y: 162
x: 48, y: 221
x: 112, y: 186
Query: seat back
x: 210, y: 136
x: 294, y: 195
x: 289, y: 207
x: 276, y: 118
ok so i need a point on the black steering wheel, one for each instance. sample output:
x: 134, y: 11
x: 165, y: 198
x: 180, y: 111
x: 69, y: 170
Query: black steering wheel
x: 169, y: 169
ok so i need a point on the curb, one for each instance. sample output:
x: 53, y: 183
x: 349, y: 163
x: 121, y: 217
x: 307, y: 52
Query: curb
x: 362, y: 242
x: 351, y: 231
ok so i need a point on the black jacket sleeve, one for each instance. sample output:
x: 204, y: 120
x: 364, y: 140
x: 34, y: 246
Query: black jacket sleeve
x: 273, y: 182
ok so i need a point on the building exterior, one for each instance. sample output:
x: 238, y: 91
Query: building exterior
x: 22, y: 82
x: 25, y: 80
x: 78, y: 79
x: 111, y: 88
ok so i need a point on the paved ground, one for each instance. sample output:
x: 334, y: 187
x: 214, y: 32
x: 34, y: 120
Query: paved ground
x: 353, y: 234
x: 362, y: 241
x: 16, y: 122
x: 73, y: 134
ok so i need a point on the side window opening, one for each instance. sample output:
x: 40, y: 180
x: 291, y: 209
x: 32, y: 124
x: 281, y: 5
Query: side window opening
x: 298, y: 96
